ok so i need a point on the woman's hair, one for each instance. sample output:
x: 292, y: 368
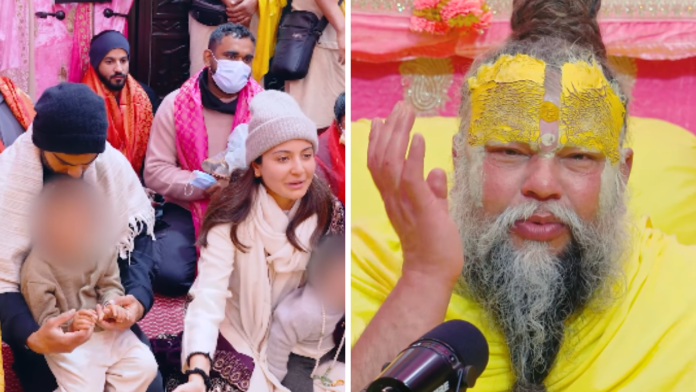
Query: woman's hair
x: 234, y: 203
x: 555, y: 31
x: 331, y: 249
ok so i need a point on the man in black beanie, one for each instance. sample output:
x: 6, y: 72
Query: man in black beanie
x: 69, y: 138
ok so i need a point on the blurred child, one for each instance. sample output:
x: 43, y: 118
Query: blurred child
x: 71, y: 267
x: 303, y: 324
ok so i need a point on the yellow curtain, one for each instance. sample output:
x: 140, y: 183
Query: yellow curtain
x: 269, y: 17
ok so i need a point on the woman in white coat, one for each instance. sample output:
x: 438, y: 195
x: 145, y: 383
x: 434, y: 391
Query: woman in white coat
x: 255, y: 243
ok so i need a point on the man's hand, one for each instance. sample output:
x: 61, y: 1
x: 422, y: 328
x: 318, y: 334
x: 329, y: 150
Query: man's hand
x: 50, y: 338
x: 84, y: 320
x: 241, y: 11
x: 217, y: 187
x: 341, y: 38
x: 133, y: 308
x: 194, y: 384
x: 417, y: 208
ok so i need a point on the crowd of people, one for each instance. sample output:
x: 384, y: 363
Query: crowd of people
x: 107, y: 197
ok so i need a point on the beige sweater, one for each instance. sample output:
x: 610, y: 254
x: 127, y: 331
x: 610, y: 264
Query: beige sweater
x: 51, y: 290
x: 296, y: 328
x: 162, y: 172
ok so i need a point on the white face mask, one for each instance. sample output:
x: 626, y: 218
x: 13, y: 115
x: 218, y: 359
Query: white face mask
x: 231, y: 76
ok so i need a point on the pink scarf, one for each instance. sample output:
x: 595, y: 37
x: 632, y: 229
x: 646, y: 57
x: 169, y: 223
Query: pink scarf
x: 191, y: 135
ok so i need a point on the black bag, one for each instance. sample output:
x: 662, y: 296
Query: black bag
x: 207, y: 13
x: 298, y: 33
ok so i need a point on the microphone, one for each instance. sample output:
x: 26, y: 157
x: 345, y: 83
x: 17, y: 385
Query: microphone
x: 449, y: 358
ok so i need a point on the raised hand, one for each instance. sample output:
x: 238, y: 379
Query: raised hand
x: 417, y: 207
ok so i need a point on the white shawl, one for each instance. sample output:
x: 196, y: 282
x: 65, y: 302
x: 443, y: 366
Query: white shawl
x: 21, y: 181
x: 269, y: 272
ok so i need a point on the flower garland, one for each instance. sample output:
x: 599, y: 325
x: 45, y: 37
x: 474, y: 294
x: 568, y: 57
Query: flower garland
x: 442, y: 16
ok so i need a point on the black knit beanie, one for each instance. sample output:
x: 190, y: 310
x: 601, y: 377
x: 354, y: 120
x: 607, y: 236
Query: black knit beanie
x: 70, y: 119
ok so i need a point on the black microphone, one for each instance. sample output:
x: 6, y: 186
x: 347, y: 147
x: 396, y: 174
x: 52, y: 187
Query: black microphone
x: 449, y: 358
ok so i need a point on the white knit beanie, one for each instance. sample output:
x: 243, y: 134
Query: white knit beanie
x: 275, y: 119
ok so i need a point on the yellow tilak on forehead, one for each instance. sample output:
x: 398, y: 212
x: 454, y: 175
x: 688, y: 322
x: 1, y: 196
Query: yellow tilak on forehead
x: 507, y: 104
x: 505, y: 100
x: 592, y: 115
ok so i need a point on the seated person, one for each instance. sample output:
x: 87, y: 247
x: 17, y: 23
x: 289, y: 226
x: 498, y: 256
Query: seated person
x: 69, y: 271
x: 68, y: 138
x: 16, y: 112
x: 303, y: 324
x: 193, y: 124
x: 331, y: 158
x: 537, y: 248
x: 130, y: 104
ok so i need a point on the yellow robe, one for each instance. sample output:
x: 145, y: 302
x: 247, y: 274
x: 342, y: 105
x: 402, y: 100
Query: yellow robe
x: 644, y: 342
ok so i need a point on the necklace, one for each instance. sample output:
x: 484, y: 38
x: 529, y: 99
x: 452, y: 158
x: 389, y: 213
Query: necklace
x: 324, y: 379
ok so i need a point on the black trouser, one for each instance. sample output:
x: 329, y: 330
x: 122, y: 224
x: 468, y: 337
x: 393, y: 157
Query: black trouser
x: 175, y: 251
x: 35, y: 375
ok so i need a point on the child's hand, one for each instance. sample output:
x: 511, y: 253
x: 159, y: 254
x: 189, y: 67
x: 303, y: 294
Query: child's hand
x: 112, y: 313
x: 84, y: 320
x: 116, y: 313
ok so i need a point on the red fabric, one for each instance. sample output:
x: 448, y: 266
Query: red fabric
x: 130, y: 121
x: 20, y: 104
x: 336, y: 166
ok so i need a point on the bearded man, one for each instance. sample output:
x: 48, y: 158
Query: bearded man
x: 130, y: 105
x: 537, y: 249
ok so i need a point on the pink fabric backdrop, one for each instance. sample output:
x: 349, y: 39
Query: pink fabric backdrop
x: 663, y: 89
x: 380, y: 37
x: 52, y: 40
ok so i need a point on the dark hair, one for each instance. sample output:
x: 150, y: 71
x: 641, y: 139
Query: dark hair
x: 340, y: 107
x: 234, y: 203
x: 233, y: 29
x: 331, y: 249
x: 572, y: 20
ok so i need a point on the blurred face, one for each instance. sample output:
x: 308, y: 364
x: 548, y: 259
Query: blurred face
x: 66, y: 225
x: 72, y: 165
x: 287, y: 171
x: 332, y: 285
x: 113, y: 69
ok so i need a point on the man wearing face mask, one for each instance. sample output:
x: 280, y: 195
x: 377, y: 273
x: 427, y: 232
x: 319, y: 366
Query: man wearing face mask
x: 192, y: 124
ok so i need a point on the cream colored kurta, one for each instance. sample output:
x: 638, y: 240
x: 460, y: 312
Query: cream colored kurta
x: 326, y: 80
x: 162, y: 171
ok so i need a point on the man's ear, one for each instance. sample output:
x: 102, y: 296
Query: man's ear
x: 207, y: 57
x: 627, y: 164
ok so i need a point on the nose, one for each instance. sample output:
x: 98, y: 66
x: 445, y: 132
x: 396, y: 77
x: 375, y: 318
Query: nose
x: 119, y: 67
x: 297, y: 167
x: 542, y: 182
x: 75, y: 172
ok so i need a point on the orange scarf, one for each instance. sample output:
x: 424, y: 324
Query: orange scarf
x: 20, y: 104
x: 129, y: 124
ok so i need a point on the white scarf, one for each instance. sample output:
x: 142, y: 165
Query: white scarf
x: 21, y: 181
x: 270, y: 262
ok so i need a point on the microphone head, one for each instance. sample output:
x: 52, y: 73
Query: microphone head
x: 466, y: 340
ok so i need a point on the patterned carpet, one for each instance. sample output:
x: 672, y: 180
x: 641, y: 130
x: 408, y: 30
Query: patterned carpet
x: 166, y: 316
